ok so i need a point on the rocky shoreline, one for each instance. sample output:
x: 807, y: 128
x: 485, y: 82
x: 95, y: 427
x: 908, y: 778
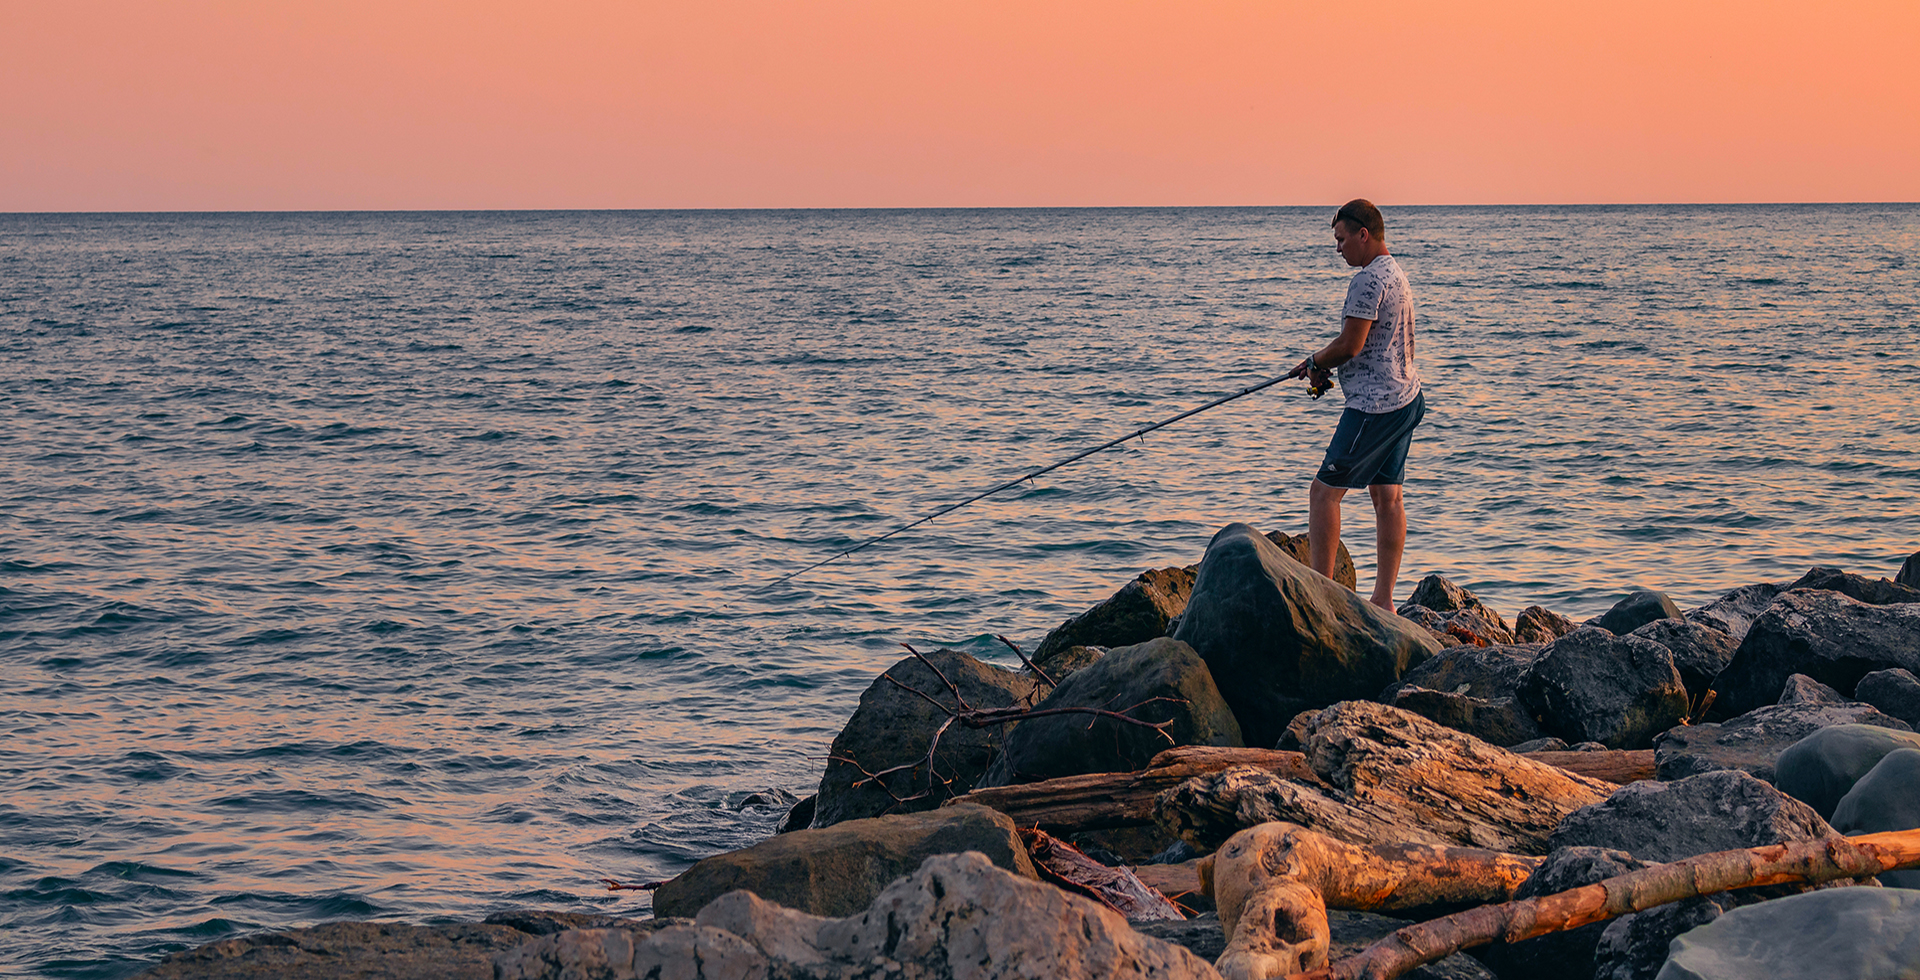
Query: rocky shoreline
x: 1302, y: 775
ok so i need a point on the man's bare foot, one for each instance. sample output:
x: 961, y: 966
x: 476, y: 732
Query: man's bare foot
x: 1386, y: 604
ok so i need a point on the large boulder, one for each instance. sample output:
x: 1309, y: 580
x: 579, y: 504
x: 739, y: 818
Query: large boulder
x: 1569, y: 953
x: 1594, y: 686
x: 1872, y: 591
x: 1538, y: 624
x: 1719, y: 811
x: 1887, y: 798
x: 1636, y: 610
x: 1820, y: 767
x: 1754, y: 742
x: 1491, y: 672
x: 1279, y: 637
x: 893, y: 727
x: 1700, y: 652
x: 1139, y: 612
x: 838, y: 870
x: 1895, y: 691
x: 1735, y: 612
x: 1496, y: 721
x: 957, y: 916
x: 1835, y: 934
x: 1160, y: 680
x: 1832, y: 638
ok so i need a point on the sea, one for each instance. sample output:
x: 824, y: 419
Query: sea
x: 420, y: 566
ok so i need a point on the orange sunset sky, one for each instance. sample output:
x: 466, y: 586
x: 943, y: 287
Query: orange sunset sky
x: 112, y: 105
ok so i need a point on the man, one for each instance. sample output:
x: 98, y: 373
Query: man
x: 1374, y: 355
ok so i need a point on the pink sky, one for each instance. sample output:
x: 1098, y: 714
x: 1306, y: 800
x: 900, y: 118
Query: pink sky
x: 323, y: 104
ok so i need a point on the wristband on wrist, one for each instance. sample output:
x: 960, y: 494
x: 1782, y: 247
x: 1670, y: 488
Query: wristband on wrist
x: 1311, y: 364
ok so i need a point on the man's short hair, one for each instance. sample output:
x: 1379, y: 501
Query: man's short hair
x: 1360, y: 213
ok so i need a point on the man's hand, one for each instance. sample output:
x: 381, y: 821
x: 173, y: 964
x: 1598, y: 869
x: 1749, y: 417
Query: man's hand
x: 1319, y: 379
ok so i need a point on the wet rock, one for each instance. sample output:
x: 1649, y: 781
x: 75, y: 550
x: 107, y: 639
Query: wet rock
x: 1832, y: 638
x: 1278, y: 637
x: 838, y: 870
x: 1700, y: 652
x: 1636, y: 610
x: 1592, y: 685
x: 1561, y: 954
x: 1833, y: 934
x: 1718, y: 811
x: 1886, y: 798
x: 1442, y: 596
x: 1752, y: 742
x: 1139, y: 612
x: 1872, y: 591
x: 1498, y: 722
x: 1895, y: 691
x: 1735, y: 612
x: 893, y: 727
x: 1127, y: 679
x: 1821, y: 767
x: 348, y: 951
x: 1538, y: 624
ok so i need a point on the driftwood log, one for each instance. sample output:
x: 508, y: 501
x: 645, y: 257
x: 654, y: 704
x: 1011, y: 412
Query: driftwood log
x: 1119, y: 889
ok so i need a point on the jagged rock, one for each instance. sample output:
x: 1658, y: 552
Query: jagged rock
x: 1538, y: 624
x: 1634, y: 947
x: 1499, y: 721
x: 1700, y: 652
x: 957, y: 916
x: 1886, y: 798
x: 1300, y: 549
x: 1820, y: 767
x: 1592, y: 685
x: 1540, y: 745
x: 1063, y: 664
x: 1832, y: 638
x: 838, y: 870
x: 1872, y: 591
x: 1137, y: 613
x: 893, y: 727
x: 1719, y: 811
x: 546, y: 922
x: 1471, y: 626
x: 348, y: 951
x: 1433, y: 622
x: 1561, y: 954
x: 1801, y: 689
x: 1442, y: 596
x: 1636, y: 610
x: 1833, y: 934
x: 1909, y: 575
x: 1483, y: 672
x: 1735, y: 612
x: 1278, y: 637
x: 1071, y: 744
x: 1753, y: 741
x: 1895, y: 691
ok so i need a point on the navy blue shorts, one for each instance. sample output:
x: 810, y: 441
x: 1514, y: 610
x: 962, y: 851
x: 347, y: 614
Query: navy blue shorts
x: 1370, y: 450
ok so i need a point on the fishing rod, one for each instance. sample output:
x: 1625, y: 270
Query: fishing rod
x: 1016, y: 481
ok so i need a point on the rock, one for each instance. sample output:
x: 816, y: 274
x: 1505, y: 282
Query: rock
x: 1591, y: 685
x: 1752, y: 742
x: 1735, y: 612
x: 1539, y: 745
x: 1886, y: 798
x: 1663, y: 822
x: 1700, y: 652
x: 1634, y: 947
x: 1483, y: 672
x: 800, y: 817
x: 1433, y: 622
x: 1829, y: 637
x: 1442, y: 596
x: 892, y: 727
x: 1820, y: 767
x: 1497, y: 722
x: 1833, y: 934
x: 546, y: 922
x: 839, y: 869
x: 1063, y: 664
x: 956, y: 916
x: 1909, y: 575
x: 1071, y: 744
x: 1137, y: 613
x: 1872, y: 591
x: 1895, y: 691
x: 1472, y: 626
x: 348, y: 951
x: 1351, y: 932
x: 1636, y: 610
x: 1801, y: 689
x: 1538, y: 624
x: 1278, y: 637
x: 1300, y: 549
x: 1569, y: 953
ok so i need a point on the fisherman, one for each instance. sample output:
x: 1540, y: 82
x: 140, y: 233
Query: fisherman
x: 1374, y: 356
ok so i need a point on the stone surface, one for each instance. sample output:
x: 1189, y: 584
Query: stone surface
x: 1909, y: 575
x: 1071, y: 744
x: 1895, y: 691
x: 893, y: 727
x: 1801, y: 689
x: 1279, y: 637
x: 1718, y: 811
x: 1491, y: 672
x: 1538, y: 624
x: 1700, y: 652
x: 1873, y: 591
x: 1636, y: 610
x: 1735, y: 612
x: 1063, y: 664
x: 1440, y: 595
x: 348, y: 951
x: 1829, y: 637
x: 1886, y: 798
x: 1560, y: 954
x: 1435, y: 623
x: 839, y: 869
x: 1139, y: 612
x: 1592, y: 685
x: 1822, y: 766
x: 1754, y: 741
x: 1833, y: 934
x: 1634, y: 947
x: 1300, y: 549
x: 1497, y: 722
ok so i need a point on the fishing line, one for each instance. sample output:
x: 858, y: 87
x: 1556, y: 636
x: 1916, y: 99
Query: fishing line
x: 1016, y: 481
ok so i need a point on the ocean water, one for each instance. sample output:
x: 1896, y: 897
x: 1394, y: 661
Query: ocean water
x: 417, y: 566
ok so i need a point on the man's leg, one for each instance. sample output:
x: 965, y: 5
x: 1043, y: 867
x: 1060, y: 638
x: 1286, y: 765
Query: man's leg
x: 1389, y: 537
x: 1323, y: 526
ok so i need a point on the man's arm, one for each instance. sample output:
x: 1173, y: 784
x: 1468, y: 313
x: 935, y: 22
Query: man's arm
x: 1344, y: 348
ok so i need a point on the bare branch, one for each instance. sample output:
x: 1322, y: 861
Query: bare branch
x: 1037, y: 672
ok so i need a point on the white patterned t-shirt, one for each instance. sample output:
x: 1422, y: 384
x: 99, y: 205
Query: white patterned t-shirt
x: 1381, y: 378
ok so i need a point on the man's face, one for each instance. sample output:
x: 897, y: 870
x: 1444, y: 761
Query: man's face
x: 1351, y: 242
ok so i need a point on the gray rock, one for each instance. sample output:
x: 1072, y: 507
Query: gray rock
x: 1498, y: 721
x: 1491, y: 672
x: 893, y: 727
x: 1279, y: 637
x: 1829, y: 637
x: 348, y: 951
x: 1139, y: 612
x: 1801, y: 689
x: 1538, y: 624
x: 1821, y: 767
x: 1126, y: 679
x: 1634, y: 947
x: 1540, y: 745
x: 1442, y: 596
x: 1636, y: 610
x: 1561, y: 954
x: 1833, y: 934
x: 1062, y: 665
x: 1592, y: 685
x: 1735, y: 612
x: 1754, y: 741
x: 1700, y: 652
x: 1895, y: 691
x: 1718, y: 811
x: 839, y: 869
x: 1872, y: 591
x: 1886, y: 798
x: 1909, y: 575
